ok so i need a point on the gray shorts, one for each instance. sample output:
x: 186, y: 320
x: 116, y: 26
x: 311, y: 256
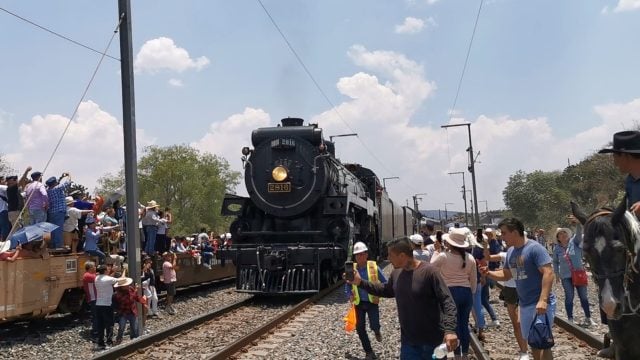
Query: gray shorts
x: 171, y: 288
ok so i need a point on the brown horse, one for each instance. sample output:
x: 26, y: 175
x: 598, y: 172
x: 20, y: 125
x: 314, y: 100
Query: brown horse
x: 611, y: 244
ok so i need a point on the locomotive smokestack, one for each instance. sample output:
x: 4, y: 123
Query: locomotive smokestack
x: 292, y: 122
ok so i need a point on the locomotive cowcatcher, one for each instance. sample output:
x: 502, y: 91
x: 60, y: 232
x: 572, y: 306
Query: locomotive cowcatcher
x: 304, y: 208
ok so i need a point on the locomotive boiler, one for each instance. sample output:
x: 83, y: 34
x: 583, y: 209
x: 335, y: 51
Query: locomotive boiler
x: 305, y: 207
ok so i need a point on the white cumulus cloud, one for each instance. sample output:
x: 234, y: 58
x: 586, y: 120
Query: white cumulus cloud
x: 227, y: 137
x: 92, y: 146
x: 176, y: 82
x: 627, y: 5
x: 163, y: 54
x: 381, y: 104
x: 412, y: 25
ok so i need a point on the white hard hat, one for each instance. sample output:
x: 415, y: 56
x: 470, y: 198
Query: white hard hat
x: 416, y: 239
x: 359, y: 247
x: 228, y: 235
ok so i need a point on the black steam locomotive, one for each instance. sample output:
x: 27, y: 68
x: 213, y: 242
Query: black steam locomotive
x: 292, y: 234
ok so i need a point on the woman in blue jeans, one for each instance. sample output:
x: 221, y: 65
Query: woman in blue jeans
x: 567, y: 254
x: 458, y: 269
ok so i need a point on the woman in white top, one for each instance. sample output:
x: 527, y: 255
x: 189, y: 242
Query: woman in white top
x: 458, y: 269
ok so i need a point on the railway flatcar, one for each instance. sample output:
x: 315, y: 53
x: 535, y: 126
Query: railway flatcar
x: 35, y: 287
x: 292, y: 234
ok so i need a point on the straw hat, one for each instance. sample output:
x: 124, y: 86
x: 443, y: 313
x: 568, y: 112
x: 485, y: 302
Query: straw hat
x: 566, y: 230
x: 124, y: 282
x: 69, y: 200
x: 152, y: 204
x: 457, y: 238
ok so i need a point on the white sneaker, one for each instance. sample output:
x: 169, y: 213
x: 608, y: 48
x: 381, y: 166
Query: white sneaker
x: 523, y: 356
x: 494, y: 323
x: 588, y: 322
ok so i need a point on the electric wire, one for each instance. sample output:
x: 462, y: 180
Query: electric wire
x: 322, y: 92
x: 75, y: 111
x: 459, y: 87
x: 57, y: 34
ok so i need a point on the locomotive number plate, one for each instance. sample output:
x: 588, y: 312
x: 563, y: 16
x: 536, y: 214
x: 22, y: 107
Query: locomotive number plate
x: 279, y: 187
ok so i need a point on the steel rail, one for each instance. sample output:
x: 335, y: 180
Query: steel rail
x: 478, y: 349
x: 246, y: 341
x: 575, y: 330
x: 147, y: 340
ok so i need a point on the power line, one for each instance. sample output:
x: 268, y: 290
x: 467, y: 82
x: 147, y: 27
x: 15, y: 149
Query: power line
x: 57, y: 34
x: 317, y: 85
x: 466, y: 61
x: 75, y: 111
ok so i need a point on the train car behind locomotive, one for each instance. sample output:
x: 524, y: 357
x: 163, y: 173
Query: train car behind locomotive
x: 305, y: 207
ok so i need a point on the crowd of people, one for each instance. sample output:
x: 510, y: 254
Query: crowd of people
x: 442, y: 280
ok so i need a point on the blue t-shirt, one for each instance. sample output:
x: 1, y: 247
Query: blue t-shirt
x: 632, y: 190
x: 524, y: 263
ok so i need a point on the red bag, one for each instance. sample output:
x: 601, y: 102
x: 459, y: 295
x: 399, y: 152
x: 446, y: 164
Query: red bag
x: 578, y: 277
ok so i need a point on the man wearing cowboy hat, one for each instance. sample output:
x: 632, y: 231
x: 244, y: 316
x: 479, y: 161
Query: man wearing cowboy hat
x: 626, y: 157
x: 150, y: 222
x: 126, y: 297
x: 57, y: 209
x: 70, y: 226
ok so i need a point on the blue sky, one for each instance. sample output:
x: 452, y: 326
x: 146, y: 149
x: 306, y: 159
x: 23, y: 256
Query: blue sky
x: 546, y: 81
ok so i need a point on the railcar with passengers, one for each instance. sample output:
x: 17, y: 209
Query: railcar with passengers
x: 292, y: 233
x: 33, y: 287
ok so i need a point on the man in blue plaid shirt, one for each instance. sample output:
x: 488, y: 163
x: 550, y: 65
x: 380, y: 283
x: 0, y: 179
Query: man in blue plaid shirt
x: 57, y: 207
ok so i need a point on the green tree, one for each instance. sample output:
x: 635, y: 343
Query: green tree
x: 593, y: 182
x: 110, y: 182
x: 191, y: 183
x: 5, y: 168
x: 537, y: 198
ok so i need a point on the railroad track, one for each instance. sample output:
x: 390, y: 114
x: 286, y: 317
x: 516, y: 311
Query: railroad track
x: 572, y: 341
x: 215, y: 335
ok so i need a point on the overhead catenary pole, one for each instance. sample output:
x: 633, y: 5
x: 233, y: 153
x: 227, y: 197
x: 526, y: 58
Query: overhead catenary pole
x: 464, y: 197
x: 472, y: 170
x: 130, y: 154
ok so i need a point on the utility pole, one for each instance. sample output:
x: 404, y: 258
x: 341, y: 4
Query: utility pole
x: 472, y: 170
x: 446, y: 212
x: 486, y: 208
x: 415, y: 207
x: 464, y: 196
x: 384, y: 181
x: 130, y: 155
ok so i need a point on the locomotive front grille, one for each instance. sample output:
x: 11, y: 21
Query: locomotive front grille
x: 297, y: 280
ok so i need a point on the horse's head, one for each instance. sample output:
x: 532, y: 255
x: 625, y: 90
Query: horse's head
x: 611, y: 240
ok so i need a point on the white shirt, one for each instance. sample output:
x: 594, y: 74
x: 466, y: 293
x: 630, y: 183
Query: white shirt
x: 104, y: 289
x: 71, y: 222
x: 511, y: 282
x: 202, y: 237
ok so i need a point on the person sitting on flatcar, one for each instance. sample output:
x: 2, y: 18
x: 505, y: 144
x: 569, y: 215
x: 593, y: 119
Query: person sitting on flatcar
x: 30, y: 250
x: 207, y: 254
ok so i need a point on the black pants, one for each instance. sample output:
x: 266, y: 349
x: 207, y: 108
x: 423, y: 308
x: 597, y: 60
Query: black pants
x: 104, y: 317
x: 365, y: 308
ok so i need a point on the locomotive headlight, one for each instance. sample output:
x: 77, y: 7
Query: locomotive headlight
x: 279, y: 173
